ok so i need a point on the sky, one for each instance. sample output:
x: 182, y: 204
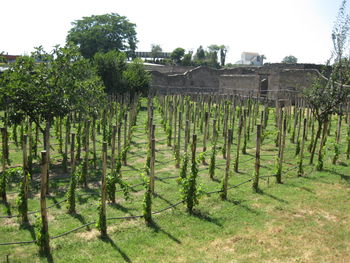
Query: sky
x: 275, y: 28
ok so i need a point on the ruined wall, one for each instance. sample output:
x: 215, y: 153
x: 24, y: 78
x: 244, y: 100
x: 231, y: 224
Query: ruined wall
x: 297, y: 79
x: 168, y: 69
x: 238, y: 84
x: 279, y: 77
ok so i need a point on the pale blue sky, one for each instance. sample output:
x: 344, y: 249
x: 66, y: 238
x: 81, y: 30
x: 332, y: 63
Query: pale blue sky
x: 275, y: 28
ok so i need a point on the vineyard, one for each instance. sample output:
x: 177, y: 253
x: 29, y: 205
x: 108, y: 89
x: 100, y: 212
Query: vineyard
x: 178, y: 178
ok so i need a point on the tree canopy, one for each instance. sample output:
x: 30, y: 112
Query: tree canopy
x: 102, y: 33
x: 326, y: 96
x: 110, y: 67
x: 155, y: 50
x: 119, y: 76
x: 177, y: 54
x: 289, y: 59
x: 62, y: 82
x: 2, y: 58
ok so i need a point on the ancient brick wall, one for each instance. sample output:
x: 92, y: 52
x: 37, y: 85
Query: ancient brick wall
x: 278, y: 77
x: 238, y: 84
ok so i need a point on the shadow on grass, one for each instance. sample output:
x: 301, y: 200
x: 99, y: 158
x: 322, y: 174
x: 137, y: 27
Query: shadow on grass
x: 307, y: 189
x: 58, y: 206
x: 206, y: 217
x: 343, y: 164
x: 162, y: 198
x: 273, y: 197
x: 49, y: 258
x: 81, y: 220
x: 7, y: 207
x: 132, y: 167
x: 215, y: 179
x: 30, y: 228
x: 121, y: 208
x: 110, y: 241
x: 245, y: 207
x: 345, y: 177
x: 342, y: 176
x: 157, y: 229
x: 164, y: 180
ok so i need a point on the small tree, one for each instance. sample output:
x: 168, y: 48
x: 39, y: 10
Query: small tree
x: 223, y: 51
x: 290, y: 59
x: 187, y: 59
x: 2, y: 58
x: 200, y: 54
x: 110, y: 67
x: 326, y: 95
x: 136, y: 78
x: 177, y: 55
x: 155, y: 50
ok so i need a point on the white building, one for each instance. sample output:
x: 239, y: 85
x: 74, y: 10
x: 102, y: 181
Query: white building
x: 251, y: 58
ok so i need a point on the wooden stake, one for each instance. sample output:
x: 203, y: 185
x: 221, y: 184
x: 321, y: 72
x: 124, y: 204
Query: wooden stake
x: 86, y: 150
x: 45, y: 246
x: 301, y: 156
x: 72, y: 154
x: 114, y: 133
x: 25, y: 175
x: 257, y: 158
x: 238, y: 143
x: 103, y: 190
x: 153, y: 158
x: 3, y: 161
x: 228, y: 161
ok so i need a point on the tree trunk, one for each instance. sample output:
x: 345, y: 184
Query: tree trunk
x: 313, y: 149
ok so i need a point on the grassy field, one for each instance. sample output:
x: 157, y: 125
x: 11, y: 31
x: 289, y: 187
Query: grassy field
x: 305, y: 219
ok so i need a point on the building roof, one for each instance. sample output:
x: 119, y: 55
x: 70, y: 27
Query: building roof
x: 251, y: 53
x: 11, y: 57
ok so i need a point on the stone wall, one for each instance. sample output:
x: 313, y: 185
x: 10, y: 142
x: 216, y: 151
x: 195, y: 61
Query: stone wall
x: 277, y: 79
x: 168, y: 69
x: 238, y: 84
x: 297, y: 79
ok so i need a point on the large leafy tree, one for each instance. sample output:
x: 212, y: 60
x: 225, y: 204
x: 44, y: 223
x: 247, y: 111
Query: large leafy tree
x: 102, y: 33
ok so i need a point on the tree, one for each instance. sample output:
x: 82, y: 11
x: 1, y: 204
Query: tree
x: 52, y: 88
x: 102, y: 33
x: 187, y: 59
x: 213, y: 55
x: 290, y: 59
x: 262, y: 57
x: 223, y: 51
x: 200, y: 54
x: 177, y: 55
x: 155, y: 50
x: 110, y: 67
x: 326, y: 96
x: 61, y: 82
x: 136, y: 78
x: 2, y: 57
x: 120, y: 77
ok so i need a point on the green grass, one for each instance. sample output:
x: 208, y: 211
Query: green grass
x: 305, y: 219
